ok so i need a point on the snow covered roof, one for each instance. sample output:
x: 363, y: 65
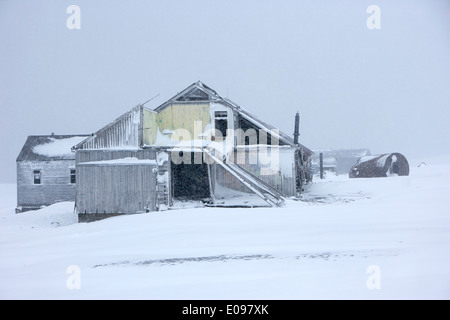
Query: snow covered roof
x: 49, y: 147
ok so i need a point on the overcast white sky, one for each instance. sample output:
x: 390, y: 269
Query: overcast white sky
x: 387, y: 89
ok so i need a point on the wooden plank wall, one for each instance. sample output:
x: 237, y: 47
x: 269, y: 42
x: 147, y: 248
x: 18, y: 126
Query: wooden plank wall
x: 55, y: 183
x: 111, y: 154
x: 125, y: 132
x: 184, y: 116
x: 116, y: 188
x: 120, y: 188
x: 149, y: 127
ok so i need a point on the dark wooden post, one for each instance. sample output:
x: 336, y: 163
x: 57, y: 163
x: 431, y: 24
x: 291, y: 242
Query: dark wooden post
x: 321, y: 165
x: 296, y: 127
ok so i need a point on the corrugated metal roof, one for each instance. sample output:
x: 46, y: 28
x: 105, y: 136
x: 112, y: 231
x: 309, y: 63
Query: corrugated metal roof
x: 49, y: 147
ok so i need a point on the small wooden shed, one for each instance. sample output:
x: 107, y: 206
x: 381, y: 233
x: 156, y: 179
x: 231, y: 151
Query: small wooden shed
x: 383, y: 165
x: 46, y: 171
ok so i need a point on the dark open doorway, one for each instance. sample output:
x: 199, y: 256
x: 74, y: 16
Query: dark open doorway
x: 395, y: 168
x: 190, y: 181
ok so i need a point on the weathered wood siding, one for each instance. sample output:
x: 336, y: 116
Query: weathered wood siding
x: 150, y: 126
x: 124, y: 132
x: 121, y: 188
x: 55, y: 183
x: 114, y: 189
x: 100, y: 155
x: 176, y: 116
x: 184, y: 116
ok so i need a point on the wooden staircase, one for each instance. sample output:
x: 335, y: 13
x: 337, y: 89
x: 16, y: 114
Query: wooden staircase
x: 265, y: 191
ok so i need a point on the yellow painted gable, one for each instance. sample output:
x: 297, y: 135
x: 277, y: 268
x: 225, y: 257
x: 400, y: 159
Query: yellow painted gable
x: 175, y: 116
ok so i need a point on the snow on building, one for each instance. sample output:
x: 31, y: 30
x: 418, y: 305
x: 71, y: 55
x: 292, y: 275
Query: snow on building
x: 195, y: 146
x: 46, y: 171
x: 382, y: 165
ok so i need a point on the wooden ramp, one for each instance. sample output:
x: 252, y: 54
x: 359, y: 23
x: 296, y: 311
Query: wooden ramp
x: 266, y: 192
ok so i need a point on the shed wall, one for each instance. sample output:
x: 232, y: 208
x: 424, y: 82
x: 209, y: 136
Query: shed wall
x: 124, y: 133
x: 116, y: 188
x: 55, y: 183
x: 111, y: 154
x: 107, y: 189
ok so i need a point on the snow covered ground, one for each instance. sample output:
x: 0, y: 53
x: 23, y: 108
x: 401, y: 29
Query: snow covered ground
x: 380, y: 238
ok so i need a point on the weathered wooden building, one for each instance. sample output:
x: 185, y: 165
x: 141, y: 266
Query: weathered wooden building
x: 46, y: 171
x: 196, y: 145
x: 383, y: 165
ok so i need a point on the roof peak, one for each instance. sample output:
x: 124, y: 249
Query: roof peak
x: 196, y: 92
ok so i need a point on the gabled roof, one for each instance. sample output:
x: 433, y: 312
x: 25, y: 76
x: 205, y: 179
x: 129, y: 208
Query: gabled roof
x: 195, y: 93
x: 198, y: 92
x: 132, y: 117
x: 261, y: 124
x: 49, y: 147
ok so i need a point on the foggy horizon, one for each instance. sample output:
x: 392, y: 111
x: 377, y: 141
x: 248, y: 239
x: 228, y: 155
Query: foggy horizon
x: 384, y: 89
